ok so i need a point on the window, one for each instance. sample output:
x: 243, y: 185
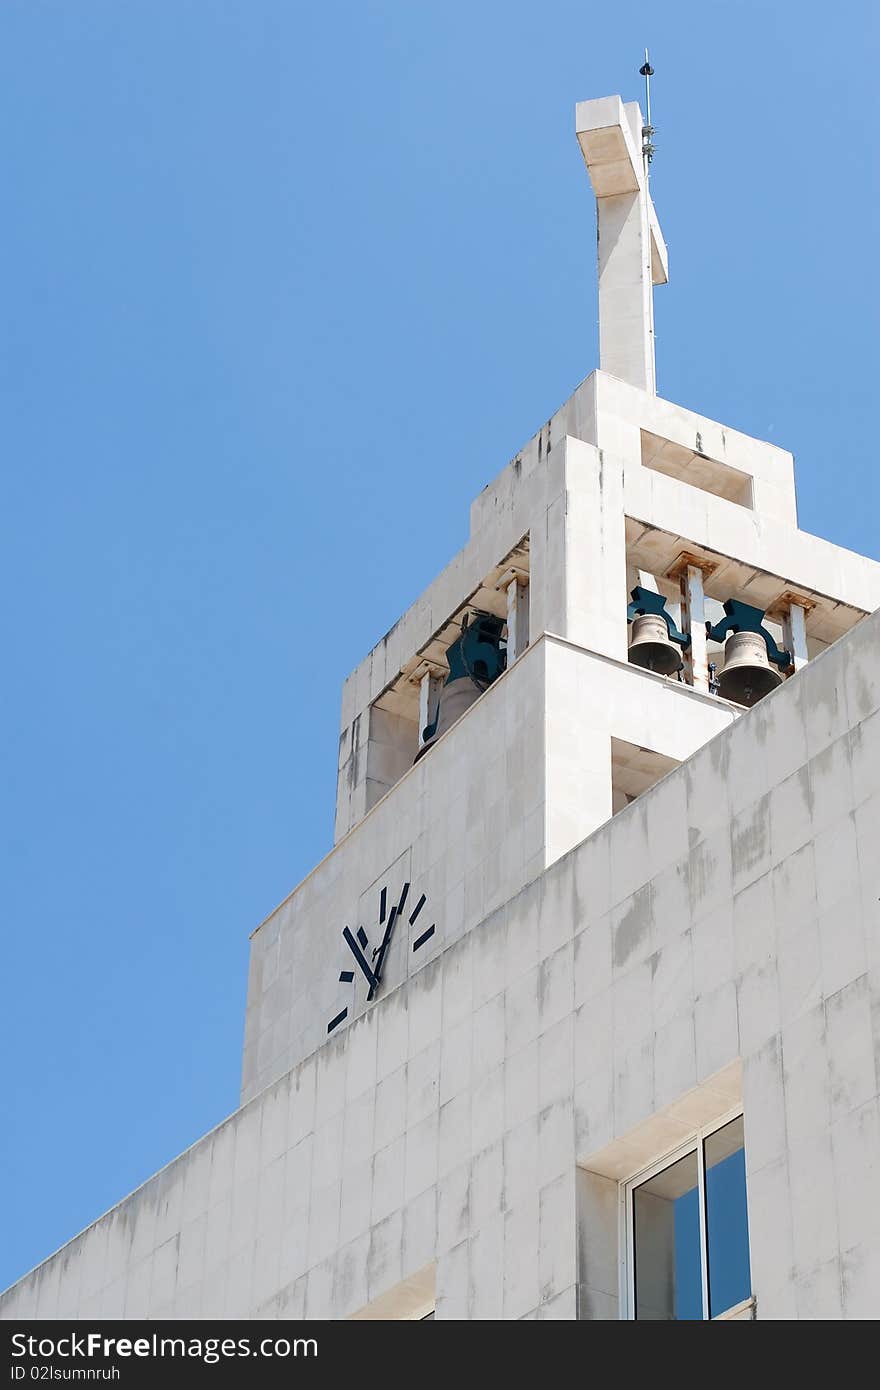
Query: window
x: 687, y: 1230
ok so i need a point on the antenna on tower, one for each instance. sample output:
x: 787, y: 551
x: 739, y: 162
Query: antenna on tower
x: 647, y: 72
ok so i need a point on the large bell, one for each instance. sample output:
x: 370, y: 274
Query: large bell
x: 651, y: 648
x: 455, y: 697
x: 475, y: 660
x: 747, y: 676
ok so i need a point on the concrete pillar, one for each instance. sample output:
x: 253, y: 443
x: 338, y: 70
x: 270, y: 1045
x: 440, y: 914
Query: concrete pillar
x: 693, y: 623
x: 577, y: 758
x: 517, y: 619
x: 578, y: 567
x: 794, y: 634
x: 598, y: 1245
x: 429, y: 693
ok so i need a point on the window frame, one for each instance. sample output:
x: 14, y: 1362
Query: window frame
x: 695, y: 1143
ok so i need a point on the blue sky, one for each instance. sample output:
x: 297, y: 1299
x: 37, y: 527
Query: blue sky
x: 283, y: 287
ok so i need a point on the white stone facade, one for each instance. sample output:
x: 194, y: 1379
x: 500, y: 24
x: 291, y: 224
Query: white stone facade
x: 649, y: 908
x: 716, y: 941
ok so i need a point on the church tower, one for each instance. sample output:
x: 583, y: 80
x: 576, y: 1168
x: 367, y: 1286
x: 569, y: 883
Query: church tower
x: 575, y: 1018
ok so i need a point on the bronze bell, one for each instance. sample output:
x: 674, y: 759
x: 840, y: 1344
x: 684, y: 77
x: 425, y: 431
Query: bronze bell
x: 651, y: 648
x: 747, y: 676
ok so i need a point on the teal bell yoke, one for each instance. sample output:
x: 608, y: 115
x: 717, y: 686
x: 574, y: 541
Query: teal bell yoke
x: 476, y: 659
x: 478, y: 652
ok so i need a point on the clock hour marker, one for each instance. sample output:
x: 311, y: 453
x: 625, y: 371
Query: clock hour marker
x: 403, y: 894
x: 383, y: 901
x: 346, y: 977
x: 337, y: 1020
x: 425, y: 936
x: 362, y: 937
x: 417, y: 909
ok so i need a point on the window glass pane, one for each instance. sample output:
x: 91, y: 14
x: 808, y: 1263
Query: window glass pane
x: 666, y: 1224
x: 730, y: 1278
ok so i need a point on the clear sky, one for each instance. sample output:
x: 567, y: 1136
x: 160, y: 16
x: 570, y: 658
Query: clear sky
x: 284, y: 286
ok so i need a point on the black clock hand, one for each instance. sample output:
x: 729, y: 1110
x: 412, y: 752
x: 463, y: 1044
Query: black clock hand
x: 372, y: 977
x: 380, y: 954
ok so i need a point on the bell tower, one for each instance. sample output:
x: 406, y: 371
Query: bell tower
x: 547, y: 981
x: 635, y: 579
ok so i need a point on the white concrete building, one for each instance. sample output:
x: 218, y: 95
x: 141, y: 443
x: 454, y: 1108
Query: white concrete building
x: 580, y: 1017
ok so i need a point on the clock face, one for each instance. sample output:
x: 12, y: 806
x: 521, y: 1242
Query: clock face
x: 370, y: 960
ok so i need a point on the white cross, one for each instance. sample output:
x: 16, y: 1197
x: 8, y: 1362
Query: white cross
x: 632, y: 253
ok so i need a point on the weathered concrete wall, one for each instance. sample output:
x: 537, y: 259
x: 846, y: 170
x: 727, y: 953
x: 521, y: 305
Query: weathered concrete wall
x: 476, y: 1119
x: 461, y: 827
x: 623, y: 412
x: 590, y: 700
x: 522, y: 777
